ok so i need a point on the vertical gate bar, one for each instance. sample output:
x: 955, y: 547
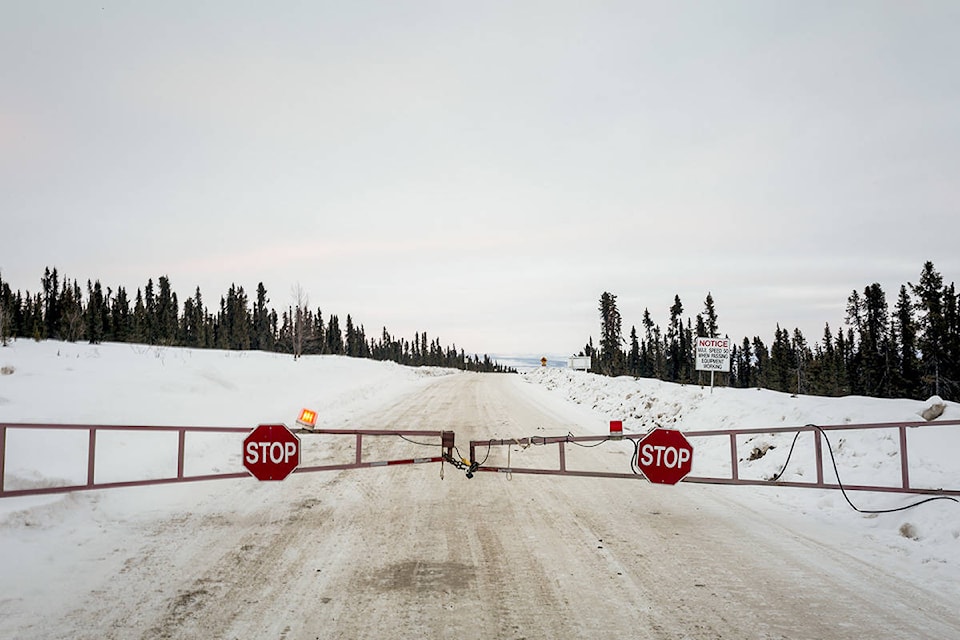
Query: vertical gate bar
x: 818, y: 447
x: 904, y: 462
x: 563, y: 456
x: 359, y: 446
x: 3, y: 453
x: 734, y: 463
x: 91, y: 456
x: 181, y: 446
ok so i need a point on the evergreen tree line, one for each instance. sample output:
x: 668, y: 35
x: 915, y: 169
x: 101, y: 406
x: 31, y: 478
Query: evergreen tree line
x: 909, y: 351
x: 62, y: 310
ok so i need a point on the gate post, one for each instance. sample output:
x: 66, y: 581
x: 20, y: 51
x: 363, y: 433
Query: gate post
x: 904, y: 462
x: 818, y: 448
x: 734, y: 462
x: 91, y: 456
x: 3, y: 452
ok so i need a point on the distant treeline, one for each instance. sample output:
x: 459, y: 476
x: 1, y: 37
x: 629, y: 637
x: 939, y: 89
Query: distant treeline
x: 912, y: 351
x: 62, y: 310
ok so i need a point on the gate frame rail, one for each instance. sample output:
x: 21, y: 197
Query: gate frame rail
x: 91, y: 483
x: 734, y: 478
x: 817, y: 431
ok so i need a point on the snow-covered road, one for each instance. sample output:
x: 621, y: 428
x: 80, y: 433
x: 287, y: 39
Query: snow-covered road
x: 399, y: 553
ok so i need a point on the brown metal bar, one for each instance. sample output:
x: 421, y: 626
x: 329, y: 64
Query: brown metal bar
x: 366, y: 432
x: 3, y: 453
x: 539, y: 440
x: 818, y: 453
x: 359, y: 447
x: 904, y: 463
x: 125, y: 427
x: 734, y: 459
x: 811, y: 485
x: 724, y: 481
x: 91, y: 457
x: 563, y: 457
x: 367, y: 465
x: 558, y: 472
x: 181, y: 448
x: 117, y: 485
x: 831, y: 427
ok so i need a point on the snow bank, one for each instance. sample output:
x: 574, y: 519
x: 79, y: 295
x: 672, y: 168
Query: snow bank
x: 60, y: 382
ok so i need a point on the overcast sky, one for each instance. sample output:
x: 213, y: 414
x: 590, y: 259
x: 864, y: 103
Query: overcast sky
x: 485, y: 170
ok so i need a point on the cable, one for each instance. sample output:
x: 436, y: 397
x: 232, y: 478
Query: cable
x: 422, y: 444
x: 585, y: 446
x: 840, y: 484
x: 489, y: 446
x: 634, y: 466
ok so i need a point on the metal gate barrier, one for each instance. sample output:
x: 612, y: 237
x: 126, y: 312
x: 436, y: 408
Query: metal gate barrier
x: 478, y: 447
x: 472, y: 466
x: 90, y: 472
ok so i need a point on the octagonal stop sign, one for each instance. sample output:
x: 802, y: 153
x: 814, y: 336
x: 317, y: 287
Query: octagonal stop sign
x: 665, y: 456
x: 271, y: 452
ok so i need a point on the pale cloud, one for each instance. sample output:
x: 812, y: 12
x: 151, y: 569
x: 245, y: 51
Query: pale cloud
x: 485, y: 172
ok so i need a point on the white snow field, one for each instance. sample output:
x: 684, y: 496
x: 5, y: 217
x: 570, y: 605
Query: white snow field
x: 400, y: 552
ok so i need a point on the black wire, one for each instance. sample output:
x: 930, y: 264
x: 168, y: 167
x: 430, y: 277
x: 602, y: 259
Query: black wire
x: 489, y: 446
x: 634, y: 465
x: 840, y: 484
x: 422, y: 444
x: 585, y: 446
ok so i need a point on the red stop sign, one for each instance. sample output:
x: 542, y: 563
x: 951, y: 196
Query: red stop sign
x: 271, y: 452
x: 665, y: 456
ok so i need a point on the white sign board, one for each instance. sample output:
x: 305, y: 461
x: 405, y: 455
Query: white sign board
x: 713, y: 354
x: 579, y: 362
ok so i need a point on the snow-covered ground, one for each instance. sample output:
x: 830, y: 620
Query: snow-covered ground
x: 54, y: 382
x: 928, y: 534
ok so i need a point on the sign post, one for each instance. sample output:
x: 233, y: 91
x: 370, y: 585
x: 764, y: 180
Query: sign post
x: 713, y: 354
x: 271, y: 452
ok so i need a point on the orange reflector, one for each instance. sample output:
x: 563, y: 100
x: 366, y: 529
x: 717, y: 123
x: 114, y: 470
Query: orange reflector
x: 308, y: 418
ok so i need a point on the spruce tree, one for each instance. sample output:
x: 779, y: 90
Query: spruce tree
x: 72, y: 326
x: 611, y: 336
x: 649, y: 365
x: 674, y: 349
x: 120, y: 318
x: 710, y: 318
x: 95, y: 312
x: 150, y: 313
x: 334, y: 336
x: 633, y: 358
x: 351, y: 347
x: 950, y: 371
x: 830, y: 377
x: 166, y: 312
x: 932, y: 336
x: 262, y: 338
x: 6, y: 313
x: 51, y: 304
x: 875, y: 343
x: 762, y: 357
